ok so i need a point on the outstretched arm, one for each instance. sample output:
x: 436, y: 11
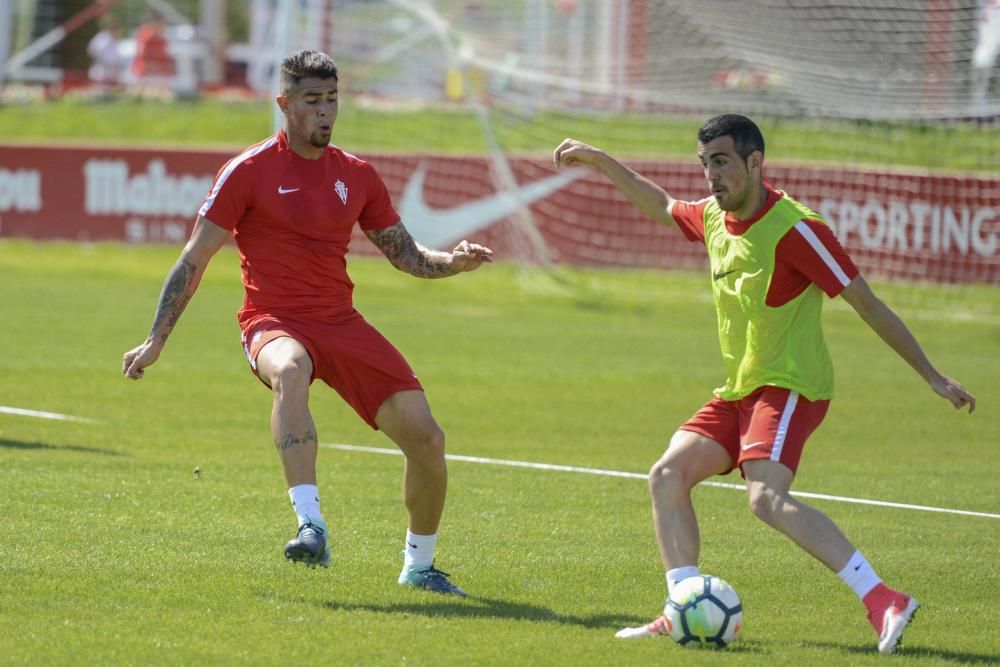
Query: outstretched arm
x: 892, y: 330
x: 178, y: 288
x: 403, y: 251
x: 646, y: 195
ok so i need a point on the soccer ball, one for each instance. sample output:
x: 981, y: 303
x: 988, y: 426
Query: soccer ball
x: 703, y: 611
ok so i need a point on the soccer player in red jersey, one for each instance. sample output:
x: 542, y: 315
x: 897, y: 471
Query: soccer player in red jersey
x: 771, y: 261
x: 291, y: 203
x: 152, y: 59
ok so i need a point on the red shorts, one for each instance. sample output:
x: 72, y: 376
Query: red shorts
x: 771, y: 423
x: 349, y: 355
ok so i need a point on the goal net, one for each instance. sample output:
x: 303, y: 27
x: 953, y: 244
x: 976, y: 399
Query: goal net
x: 880, y: 116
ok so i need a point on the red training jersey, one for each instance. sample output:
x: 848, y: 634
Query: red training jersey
x: 152, y: 55
x: 292, y: 219
x: 808, y: 253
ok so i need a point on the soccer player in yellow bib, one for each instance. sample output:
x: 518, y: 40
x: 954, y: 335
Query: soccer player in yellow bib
x: 771, y: 260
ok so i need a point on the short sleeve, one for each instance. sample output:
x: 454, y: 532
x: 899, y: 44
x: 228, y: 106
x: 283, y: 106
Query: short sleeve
x: 230, y: 196
x: 813, y: 250
x: 378, y: 212
x: 690, y: 218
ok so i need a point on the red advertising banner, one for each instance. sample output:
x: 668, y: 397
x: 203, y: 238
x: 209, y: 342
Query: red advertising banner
x: 896, y: 224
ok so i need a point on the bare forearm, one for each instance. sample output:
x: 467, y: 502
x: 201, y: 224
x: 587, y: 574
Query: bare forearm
x: 424, y: 262
x: 646, y: 195
x: 890, y: 328
x: 178, y: 288
x: 403, y: 251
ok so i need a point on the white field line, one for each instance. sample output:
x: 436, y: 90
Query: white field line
x: 635, y: 475
x: 21, y: 412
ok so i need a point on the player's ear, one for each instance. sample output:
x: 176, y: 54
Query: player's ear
x: 282, y: 101
x: 756, y: 160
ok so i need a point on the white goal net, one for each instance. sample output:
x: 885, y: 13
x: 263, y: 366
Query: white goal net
x: 880, y: 115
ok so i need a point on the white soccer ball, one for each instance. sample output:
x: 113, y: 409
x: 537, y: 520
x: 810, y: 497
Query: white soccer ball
x: 704, y: 612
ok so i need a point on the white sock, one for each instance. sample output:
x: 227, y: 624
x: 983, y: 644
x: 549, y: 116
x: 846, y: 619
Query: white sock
x: 419, y: 550
x: 859, y: 575
x: 305, y: 501
x: 679, y: 574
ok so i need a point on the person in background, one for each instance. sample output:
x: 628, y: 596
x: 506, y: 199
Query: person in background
x: 104, y: 49
x: 152, y: 65
x: 984, y: 56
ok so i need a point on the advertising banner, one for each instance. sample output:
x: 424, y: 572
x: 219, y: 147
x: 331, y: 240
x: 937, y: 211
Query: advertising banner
x: 894, y: 223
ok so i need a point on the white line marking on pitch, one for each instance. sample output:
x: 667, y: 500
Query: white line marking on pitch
x: 635, y: 475
x: 21, y: 412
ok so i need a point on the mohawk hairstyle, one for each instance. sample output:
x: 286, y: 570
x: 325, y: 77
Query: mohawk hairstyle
x: 306, y: 63
x: 746, y: 135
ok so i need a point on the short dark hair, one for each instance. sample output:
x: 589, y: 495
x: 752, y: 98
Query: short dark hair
x: 305, y: 63
x: 745, y: 133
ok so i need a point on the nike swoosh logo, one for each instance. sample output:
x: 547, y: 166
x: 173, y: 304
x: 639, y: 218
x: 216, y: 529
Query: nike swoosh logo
x: 720, y: 276
x: 752, y: 445
x: 283, y: 191
x: 437, y: 227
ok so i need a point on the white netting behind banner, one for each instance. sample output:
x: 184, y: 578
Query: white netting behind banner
x: 874, y: 112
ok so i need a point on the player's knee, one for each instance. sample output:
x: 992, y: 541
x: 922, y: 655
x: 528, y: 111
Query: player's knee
x: 426, y: 448
x: 666, y: 479
x: 435, y: 443
x: 289, y: 379
x: 765, y: 503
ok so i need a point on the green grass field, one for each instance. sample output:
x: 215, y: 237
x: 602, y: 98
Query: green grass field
x: 362, y: 128
x: 113, y: 552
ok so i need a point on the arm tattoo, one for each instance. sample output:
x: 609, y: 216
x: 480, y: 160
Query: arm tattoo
x: 178, y: 289
x: 290, y: 440
x: 407, y: 255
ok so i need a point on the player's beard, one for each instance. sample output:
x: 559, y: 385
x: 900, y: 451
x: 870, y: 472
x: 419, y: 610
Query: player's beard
x: 729, y: 199
x: 319, y: 139
x: 724, y: 199
x: 732, y: 202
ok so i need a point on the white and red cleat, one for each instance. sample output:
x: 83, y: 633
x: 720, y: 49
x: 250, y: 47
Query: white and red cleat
x: 659, y: 626
x: 889, y: 612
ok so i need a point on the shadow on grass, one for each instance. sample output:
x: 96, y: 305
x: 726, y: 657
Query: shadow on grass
x: 904, y: 653
x: 6, y: 443
x: 480, y: 607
